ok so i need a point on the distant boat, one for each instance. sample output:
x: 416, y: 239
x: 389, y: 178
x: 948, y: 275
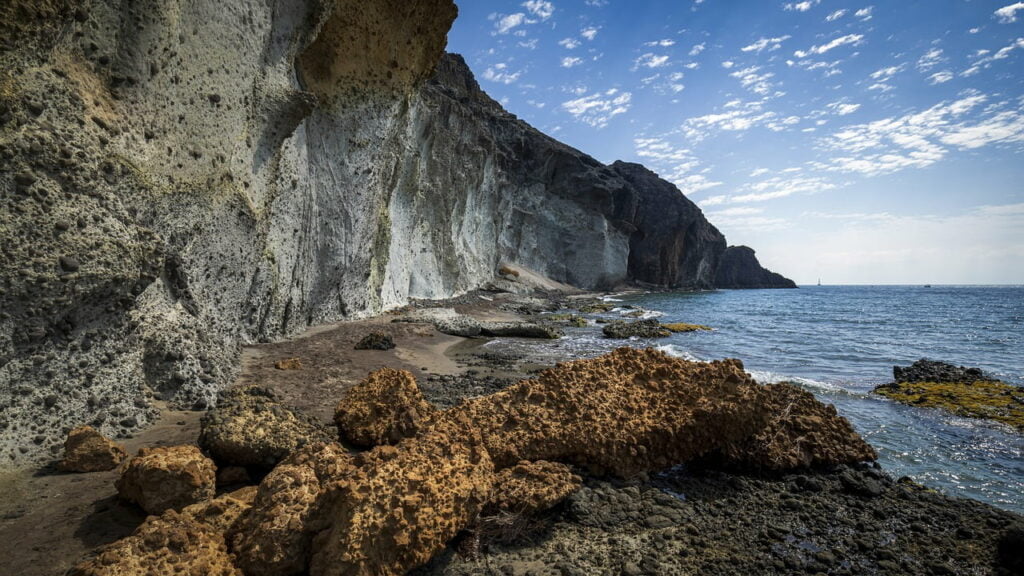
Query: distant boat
x: 927, y: 285
x: 819, y: 281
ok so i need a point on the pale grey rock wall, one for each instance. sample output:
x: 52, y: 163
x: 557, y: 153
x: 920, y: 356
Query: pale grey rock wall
x: 179, y: 177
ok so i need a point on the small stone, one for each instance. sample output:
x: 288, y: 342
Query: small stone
x: 86, y: 450
x: 288, y: 364
x: 69, y: 264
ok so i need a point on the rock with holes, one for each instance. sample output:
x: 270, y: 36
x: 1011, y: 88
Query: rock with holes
x: 168, y: 478
x: 86, y: 450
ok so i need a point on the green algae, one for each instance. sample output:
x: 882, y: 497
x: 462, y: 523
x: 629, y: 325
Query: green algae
x: 990, y: 400
x: 682, y: 327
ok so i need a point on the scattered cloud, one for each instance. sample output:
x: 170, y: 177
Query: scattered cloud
x: 864, y: 13
x: 854, y: 39
x: 940, y: 77
x: 836, y: 15
x: 650, y: 60
x: 931, y: 59
x: 507, y: 23
x: 590, y: 32
x: 737, y: 116
x: 1008, y: 14
x: 540, y: 8
x: 675, y: 164
x: 773, y: 188
x: 598, y: 109
x: 697, y: 49
x: 500, y: 73
x: 985, y: 60
x: 753, y: 80
x: 920, y: 139
x: 770, y: 44
x: 665, y: 43
x: 801, y: 6
x: 569, y: 43
x: 571, y: 61
x: 843, y: 108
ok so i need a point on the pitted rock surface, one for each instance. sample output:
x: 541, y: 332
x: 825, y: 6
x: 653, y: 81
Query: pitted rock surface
x: 86, y: 450
x: 531, y: 487
x: 168, y: 478
x: 249, y: 427
x: 384, y: 408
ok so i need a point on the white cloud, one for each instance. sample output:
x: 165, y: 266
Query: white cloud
x: 772, y: 189
x: 1008, y: 14
x: 665, y: 43
x: 884, y: 74
x: 854, y: 39
x: 500, y: 73
x: 836, y: 15
x: 931, y: 59
x: 842, y: 108
x: 920, y: 139
x: 598, y: 109
x: 940, y: 77
x: 987, y: 60
x: 569, y: 62
x: 589, y: 33
x: 771, y: 44
x: 677, y: 165
x: 801, y: 6
x: 650, y: 60
x: 569, y: 43
x: 864, y: 13
x: 728, y: 64
x: 540, y: 8
x: 596, y: 3
x: 737, y: 117
x: 506, y: 24
x: 751, y: 80
x: 697, y: 49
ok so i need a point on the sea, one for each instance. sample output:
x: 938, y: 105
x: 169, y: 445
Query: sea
x: 839, y: 342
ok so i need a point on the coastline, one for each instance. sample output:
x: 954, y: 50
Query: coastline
x: 678, y: 521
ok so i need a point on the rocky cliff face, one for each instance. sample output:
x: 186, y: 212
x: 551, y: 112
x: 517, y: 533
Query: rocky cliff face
x: 739, y: 268
x: 180, y: 178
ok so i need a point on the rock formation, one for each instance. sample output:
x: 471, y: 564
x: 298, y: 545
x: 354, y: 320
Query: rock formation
x: 385, y: 408
x: 177, y: 179
x: 740, y: 269
x: 86, y: 450
x: 925, y: 370
x: 167, y: 478
x: 650, y: 328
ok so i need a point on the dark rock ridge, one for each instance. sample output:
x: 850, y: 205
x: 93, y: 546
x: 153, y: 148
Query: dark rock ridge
x: 739, y: 269
x: 925, y: 370
x: 179, y: 179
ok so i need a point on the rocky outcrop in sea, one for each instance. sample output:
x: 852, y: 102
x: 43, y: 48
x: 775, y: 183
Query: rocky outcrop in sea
x: 740, y: 269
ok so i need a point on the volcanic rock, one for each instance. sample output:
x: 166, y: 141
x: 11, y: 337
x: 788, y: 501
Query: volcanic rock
x: 86, y: 450
x: 531, y: 487
x: 167, y: 478
x: 739, y: 269
x: 384, y: 408
x: 249, y: 427
x: 649, y: 328
x: 925, y: 370
x: 376, y: 341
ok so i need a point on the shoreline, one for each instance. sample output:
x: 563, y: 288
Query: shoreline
x: 52, y: 519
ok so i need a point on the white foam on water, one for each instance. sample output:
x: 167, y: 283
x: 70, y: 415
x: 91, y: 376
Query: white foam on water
x: 678, y: 352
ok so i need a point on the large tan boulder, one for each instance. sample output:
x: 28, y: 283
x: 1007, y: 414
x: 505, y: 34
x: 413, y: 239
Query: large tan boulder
x: 166, y: 478
x: 250, y: 427
x: 402, y: 504
x: 275, y: 538
x: 801, y: 433
x: 86, y: 450
x: 531, y: 487
x: 384, y: 408
x: 171, y: 543
x: 623, y: 413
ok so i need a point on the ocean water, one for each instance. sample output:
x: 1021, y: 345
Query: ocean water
x: 839, y: 342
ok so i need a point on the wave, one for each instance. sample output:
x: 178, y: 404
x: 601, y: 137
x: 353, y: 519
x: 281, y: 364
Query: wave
x: 678, y: 352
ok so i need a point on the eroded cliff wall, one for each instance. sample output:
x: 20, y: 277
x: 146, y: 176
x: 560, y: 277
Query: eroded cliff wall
x: 180, y: 177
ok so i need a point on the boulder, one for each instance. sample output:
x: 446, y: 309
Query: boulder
x: 86, y: 450
x: 385, y: 408
x: 376, y: 341
x: 802, y: 432
x: 275, y: 538
x: 519, y: 330
x: 288, y: 364
x: 402, y: 504
x: 249, y: 427
x: 679, y: 327
x: 172, y: 543
x: 649, y: 328
x: 925, y: 370
x: 531, y: 487
x: 167, y: 478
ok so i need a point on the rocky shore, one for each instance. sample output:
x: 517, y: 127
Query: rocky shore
x: 728, y: 511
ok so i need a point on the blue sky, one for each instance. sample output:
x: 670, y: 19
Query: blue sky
x: 853, y: 141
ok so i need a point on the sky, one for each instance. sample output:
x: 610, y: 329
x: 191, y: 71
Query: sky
x: 851, y: 141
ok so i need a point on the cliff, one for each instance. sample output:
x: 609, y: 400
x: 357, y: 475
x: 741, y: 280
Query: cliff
x: 178, y: 179
x: 740, y: 269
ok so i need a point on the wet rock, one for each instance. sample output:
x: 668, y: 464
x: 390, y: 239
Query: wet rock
x: 925, y: 370
x: 531, y: 487
x: 86, y: 450
x: 168, y: 544
x: 649, y: 328
x: 376, y: 341
x: 678, y: 327
x: 519, y: 330
x: 249, y: 427
x: 1010, y: 551
x: 167, y: 478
